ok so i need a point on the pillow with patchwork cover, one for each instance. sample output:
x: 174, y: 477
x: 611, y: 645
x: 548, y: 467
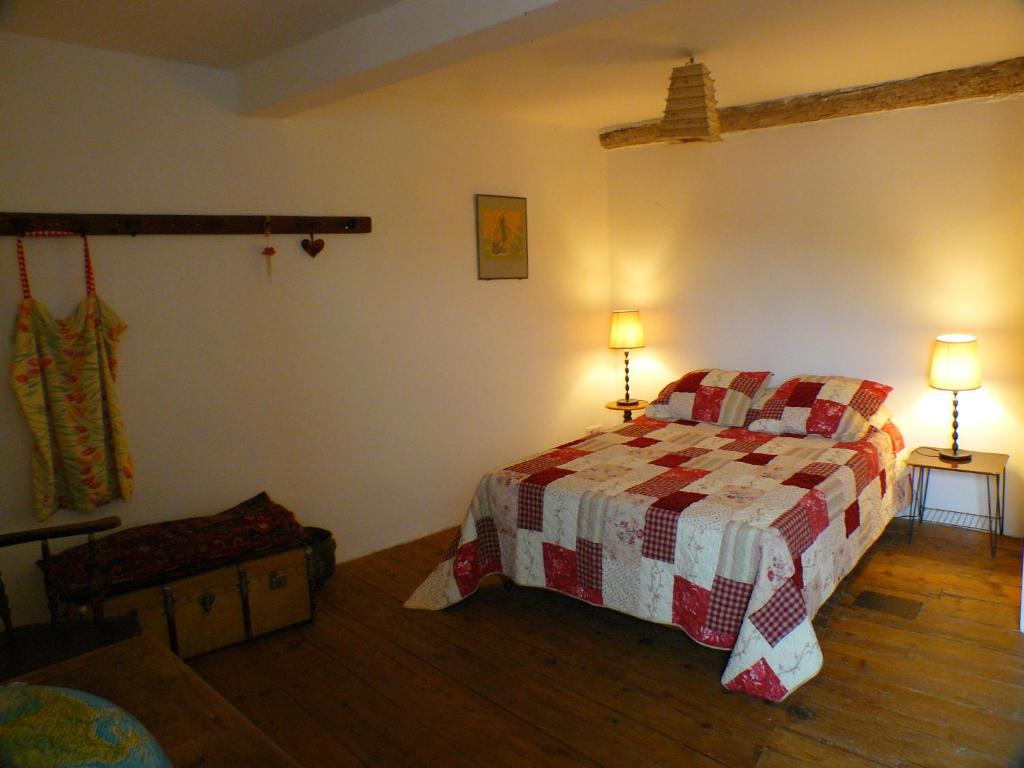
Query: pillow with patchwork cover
x: 882, y: 422
x: 836, y: 407
x: 710, y: 395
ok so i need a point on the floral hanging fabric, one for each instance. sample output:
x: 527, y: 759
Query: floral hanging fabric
x: 64, y: 375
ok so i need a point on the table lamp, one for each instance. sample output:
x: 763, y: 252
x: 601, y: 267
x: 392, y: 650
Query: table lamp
x: 955, y: 368
x: 626, y: 333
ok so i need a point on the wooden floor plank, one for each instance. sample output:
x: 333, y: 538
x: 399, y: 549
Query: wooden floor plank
x: 1005, y: 639
x: 274, y: 711
x: 788, y: 748
x: 985, y: 588
x: 935, y: 727
x: 875, y: 734
x: 376, y: 729
x: 433, y: 696
x: 937, y: 754
x: 968, y: 658
x: 518, y: 677
x: 375, y: 732
x: 940, y: 716
x: 567, y: 653
x: 583, y: 723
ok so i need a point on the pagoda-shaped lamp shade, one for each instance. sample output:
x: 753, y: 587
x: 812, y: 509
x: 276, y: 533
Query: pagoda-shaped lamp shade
x: 626, y: 333
x: 691, y: 113
x: 955, y: 368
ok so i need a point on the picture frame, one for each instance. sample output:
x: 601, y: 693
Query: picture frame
x: 502, y: 251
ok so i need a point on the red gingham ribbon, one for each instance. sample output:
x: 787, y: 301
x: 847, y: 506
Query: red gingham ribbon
x: 90, y: 280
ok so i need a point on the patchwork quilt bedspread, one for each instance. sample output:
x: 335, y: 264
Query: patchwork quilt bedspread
x: 735, y: 537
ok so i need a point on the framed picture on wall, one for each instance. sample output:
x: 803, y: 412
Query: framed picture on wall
x: 501, y: 251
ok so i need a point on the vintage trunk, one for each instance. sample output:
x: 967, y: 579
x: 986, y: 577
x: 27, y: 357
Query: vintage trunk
x: 280, y: 591
x: 151, y: 608
x: 200, y: 584
x: 224, y: 606
x: 205, y: 612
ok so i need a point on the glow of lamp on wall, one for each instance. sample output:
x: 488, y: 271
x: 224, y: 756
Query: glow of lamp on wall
x: 956, y: 368
x: 626, y: 333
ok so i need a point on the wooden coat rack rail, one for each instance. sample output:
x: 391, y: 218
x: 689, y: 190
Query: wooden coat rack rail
x: 173, y: 224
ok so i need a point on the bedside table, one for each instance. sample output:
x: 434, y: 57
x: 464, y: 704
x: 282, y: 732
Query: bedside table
x: 992, y: 465
x: 627, y: 410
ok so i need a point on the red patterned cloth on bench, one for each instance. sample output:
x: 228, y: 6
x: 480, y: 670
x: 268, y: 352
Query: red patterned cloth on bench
x: 152, y: 554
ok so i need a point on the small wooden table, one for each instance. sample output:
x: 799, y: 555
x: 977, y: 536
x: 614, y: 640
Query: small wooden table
x: 627, y: 410
x: 194, y: 724
x: 992, y: 465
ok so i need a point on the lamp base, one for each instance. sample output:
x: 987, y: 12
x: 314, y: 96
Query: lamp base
x: 620, y: 401
x: 957, y: 458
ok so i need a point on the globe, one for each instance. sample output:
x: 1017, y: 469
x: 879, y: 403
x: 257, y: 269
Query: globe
x: 43, y: 726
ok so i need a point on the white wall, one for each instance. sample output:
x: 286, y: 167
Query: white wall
x: 839, y: 247
x: 367, y: 389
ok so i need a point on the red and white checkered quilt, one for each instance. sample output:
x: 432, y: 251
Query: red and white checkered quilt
x: 736, y: 537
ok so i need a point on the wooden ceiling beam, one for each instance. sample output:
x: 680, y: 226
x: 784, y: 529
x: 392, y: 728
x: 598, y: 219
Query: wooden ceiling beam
x: 995, y: 80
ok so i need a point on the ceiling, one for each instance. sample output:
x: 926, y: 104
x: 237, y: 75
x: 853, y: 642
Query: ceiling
x: 597, y: 74
x: 217, y: 33
x: 616, y: 70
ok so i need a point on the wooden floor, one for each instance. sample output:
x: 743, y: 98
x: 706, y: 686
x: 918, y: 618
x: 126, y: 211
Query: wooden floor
x: 525, y: 677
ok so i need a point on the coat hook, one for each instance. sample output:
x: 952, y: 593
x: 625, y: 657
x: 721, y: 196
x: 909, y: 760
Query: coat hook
x: 268, y: 250
x: 313, y: 245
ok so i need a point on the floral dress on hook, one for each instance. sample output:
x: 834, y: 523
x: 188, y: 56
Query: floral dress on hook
x: 64, y: 374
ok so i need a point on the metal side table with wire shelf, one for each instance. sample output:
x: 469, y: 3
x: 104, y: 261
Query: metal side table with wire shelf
x: 991, y: 465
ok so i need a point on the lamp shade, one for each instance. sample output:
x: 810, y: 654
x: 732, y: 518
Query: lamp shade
x: 691, y: 113
x: 626, y: 332
x: 955, y: 363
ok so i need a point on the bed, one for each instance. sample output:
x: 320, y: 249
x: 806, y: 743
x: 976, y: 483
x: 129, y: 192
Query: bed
x: 728, y: 511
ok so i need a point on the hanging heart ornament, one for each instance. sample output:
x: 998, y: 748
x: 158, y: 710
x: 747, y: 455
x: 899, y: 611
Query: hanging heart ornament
x: 311, y: 246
